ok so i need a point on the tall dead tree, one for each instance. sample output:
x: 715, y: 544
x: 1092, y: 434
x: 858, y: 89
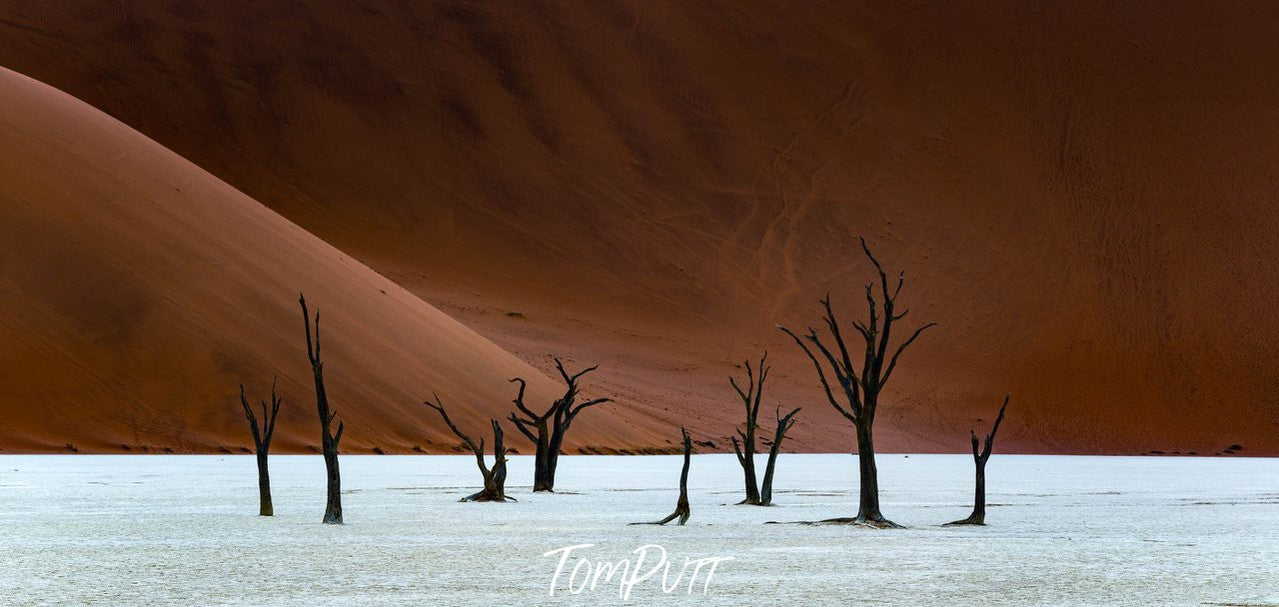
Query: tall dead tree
x: 752, y: 396
x: 547, y: 429
x: 494, y: 478
x: 784, y: 424
x: 978, y: 517
x: 262, y: 444
x: 861, y: 389
x: 328, y: 440
x: 682, y: 509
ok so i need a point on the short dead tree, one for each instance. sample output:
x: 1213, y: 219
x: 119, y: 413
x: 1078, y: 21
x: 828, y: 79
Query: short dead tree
x: 328, y: 440
x: 494, y: 478
x: 682, y: 510
x: 262, y: 444
x: 752, y: 396
x: 860, y: 389
x: 978, y: 517
x: 547, y: 429
x: 784, y: 424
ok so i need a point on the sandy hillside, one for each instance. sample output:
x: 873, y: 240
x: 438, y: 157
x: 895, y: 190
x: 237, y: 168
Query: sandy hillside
x: 137, y: 290
x: 1082, y: 196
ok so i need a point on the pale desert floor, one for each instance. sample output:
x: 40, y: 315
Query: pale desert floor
x: 117, y: 530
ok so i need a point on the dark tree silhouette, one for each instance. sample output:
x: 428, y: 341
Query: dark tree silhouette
x: 682, y: 510
x: 546, y: 430
x: 751, y: 398
x: 978, y: 517
x: 784, y: 424
x: 495, y: 478
x: 328, y: 441
x: 861, y: 389
x: 262, y: 444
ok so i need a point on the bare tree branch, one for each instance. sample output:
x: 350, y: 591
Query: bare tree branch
x: 821, y: 375
x: 893, y: 363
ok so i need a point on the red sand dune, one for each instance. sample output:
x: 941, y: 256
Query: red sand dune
x: 137, y: 290
x: 1083, y: 196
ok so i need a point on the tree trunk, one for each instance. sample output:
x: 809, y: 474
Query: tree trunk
x: 682, y: 509
x: 329, y: 445
x: 868, y: 505
x: 543, y: 477
x: 544, y: 461
x: 766, y: 488
x: 333, y: 503
x: 979, y: 498
x: 748, y: 468
x: 552, y: 459
x: 495, y: 484
x: 978, y: 516
x: 494, y: 478
x: 264, y: 486
x: 783, y: 425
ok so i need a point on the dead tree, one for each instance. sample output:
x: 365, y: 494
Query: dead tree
x: 784, y: 424
x: 978, y: 517
x: 751, y: 398
x: 682, y: 510
x: 860, y: 389
x: 494, y: 478
x: 546, y: 430
x: 328, y: 441
x: 262, y: 444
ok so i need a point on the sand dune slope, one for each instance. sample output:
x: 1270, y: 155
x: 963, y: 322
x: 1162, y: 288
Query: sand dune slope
x: 1083, y: 195
x: 137, y: 290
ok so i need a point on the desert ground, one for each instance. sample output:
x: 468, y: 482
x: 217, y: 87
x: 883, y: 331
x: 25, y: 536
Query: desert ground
x: 1081, y: 195
x: 131, y: 529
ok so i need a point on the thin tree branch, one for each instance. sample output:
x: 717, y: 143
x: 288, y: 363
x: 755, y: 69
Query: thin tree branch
x: 439, y: 407
x: 821, y: 374
x: 590, y: 403
x: 519, y: 425
x: 253, y: 420
x: 893, y: 363
x: 990, y: 438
